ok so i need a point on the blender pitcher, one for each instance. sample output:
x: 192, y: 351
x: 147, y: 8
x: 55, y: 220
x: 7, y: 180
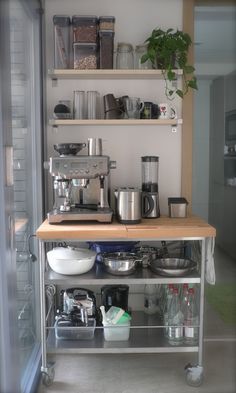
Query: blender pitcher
x: 150, y: 166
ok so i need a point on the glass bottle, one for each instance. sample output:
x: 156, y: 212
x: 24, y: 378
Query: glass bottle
x: 191, y: 319
x: 175, y: 333
x: 150, y: 299
x: 124, y: 56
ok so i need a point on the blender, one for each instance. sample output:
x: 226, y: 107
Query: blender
x: 150, y: 166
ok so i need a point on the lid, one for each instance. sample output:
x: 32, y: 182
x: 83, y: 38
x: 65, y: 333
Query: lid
x: 84, y: 19
x: 61, y: 20
x: 177, y: 200
x: 141, y: 48
x: 107, y: 18
x: 125, y: 318
x: 150, y: 159
x: 87, y: 45
x: 106, y: 32
x: 124, y: 47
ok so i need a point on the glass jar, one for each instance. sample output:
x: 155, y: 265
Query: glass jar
x: 124, y: 56
x: 140, y: 50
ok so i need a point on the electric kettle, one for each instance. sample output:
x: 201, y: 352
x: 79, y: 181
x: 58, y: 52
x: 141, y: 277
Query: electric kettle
x: 129, y: 204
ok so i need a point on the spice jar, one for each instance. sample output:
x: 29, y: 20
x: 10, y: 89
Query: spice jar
x: 140, y: 50
x: 124, y: 56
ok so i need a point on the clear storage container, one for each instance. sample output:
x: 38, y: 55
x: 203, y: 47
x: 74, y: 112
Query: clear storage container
x: 140, y: 50
x: 124, y: 56
x: 84, y: 28
x: 107, y: 23
x: 75, y: 333
x: 106, y: 49
x: 62, y: 26
x: 85, y: 56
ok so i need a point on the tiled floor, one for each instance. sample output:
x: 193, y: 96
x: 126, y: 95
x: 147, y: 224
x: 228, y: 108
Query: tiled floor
x: 156, y: 373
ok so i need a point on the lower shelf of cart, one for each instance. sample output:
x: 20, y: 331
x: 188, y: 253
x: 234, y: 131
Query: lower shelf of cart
x: 140, y: 341
x: 146, y: 336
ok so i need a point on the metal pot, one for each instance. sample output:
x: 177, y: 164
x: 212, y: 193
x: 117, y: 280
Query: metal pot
x: 120, y: 263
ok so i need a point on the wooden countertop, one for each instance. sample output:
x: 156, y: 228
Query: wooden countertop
x: 150, y: 229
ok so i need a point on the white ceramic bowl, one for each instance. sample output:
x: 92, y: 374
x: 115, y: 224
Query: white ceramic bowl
x: 71, y: 261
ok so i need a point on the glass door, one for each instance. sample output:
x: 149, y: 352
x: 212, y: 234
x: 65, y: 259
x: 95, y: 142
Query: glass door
x: 21, y: 192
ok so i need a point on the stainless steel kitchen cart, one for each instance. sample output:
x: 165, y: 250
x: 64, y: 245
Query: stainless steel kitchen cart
x: 146, y: 337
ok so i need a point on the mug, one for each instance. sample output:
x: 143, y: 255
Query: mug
x: 146, y: 113
x: 167, y: 111
x: 133, y: 106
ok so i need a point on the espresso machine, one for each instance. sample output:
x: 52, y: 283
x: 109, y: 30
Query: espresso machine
x: 80, y: 184
x: 150, y: 166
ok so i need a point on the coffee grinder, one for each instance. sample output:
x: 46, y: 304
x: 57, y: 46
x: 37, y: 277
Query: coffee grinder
x: 150, y: 166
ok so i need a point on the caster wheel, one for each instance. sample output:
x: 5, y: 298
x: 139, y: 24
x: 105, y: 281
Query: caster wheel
x: 194, y: 376
x: 48, y: 377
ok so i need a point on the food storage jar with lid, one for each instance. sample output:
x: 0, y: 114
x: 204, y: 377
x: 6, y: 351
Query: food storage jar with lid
x: 140, y: 50
x: 85, y: 56
x: 106, y: 38
x: 124, y: 56
x: 84, y: 28
x: 62, y: 26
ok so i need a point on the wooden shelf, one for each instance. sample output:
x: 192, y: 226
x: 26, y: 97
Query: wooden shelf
x: 114, y: 122
x: 162, y: 228
x: 107, y: 74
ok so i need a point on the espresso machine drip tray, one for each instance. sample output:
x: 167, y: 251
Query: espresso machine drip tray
x: 81, y: 214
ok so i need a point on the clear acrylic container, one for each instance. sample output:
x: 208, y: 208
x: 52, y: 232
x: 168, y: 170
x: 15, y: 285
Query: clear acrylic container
x: 124, y: 56
x: 75, y: 333
x: 62, y: 29
x: 106, y: 49
x: 85, y: 28
x: 85, y: 56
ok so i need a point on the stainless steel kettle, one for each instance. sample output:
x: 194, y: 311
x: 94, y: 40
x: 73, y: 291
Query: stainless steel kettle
x: 128, y: 205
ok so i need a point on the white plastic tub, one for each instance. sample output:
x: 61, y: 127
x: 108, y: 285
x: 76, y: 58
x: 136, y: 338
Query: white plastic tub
x: 117, y: 332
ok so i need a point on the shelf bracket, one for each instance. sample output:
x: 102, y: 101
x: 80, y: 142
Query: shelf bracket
x: 54, y: 82
x: 174, y: 127
x: 55, y: 128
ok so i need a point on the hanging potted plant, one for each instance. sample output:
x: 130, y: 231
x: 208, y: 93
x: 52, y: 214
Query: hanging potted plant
x: 167, y: 51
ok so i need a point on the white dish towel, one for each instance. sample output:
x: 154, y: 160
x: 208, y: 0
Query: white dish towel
x: 210, y: 263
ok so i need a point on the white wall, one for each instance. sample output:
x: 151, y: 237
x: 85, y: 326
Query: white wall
x: 135, y: 20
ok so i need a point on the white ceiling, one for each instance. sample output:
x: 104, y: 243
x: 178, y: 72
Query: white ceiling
x: 215, y: 40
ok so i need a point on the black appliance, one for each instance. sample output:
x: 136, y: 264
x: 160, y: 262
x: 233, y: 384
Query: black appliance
x: 115, y: 295
x: 73, y: 298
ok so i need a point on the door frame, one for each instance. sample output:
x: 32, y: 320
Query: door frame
x: 188, y: 100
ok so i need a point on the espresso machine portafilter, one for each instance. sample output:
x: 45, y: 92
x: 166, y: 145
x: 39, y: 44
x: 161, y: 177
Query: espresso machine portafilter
x: 80, y: 185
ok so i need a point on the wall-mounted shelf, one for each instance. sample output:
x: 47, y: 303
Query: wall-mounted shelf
x: 107, y: 74
x: 114, y: 122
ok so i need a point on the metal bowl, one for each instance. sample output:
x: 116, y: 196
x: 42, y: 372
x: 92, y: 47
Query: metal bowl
x: 69, y: 149
x: 173, y: 267
x: 120, y: 263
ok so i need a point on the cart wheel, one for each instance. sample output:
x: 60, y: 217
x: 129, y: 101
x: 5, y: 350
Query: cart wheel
x: 48, y: 377
x: 194, y: 375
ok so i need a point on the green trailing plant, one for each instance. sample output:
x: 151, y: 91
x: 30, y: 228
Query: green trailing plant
x: 167, y: 51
